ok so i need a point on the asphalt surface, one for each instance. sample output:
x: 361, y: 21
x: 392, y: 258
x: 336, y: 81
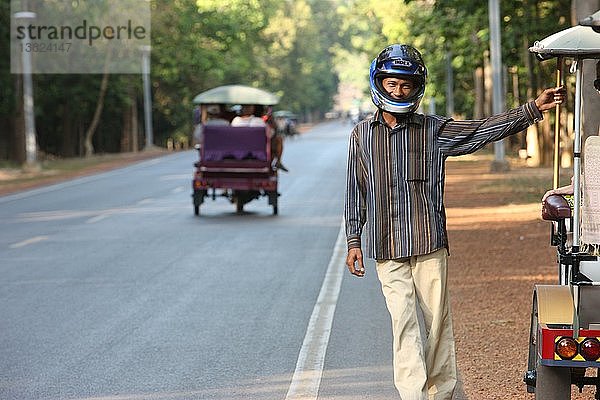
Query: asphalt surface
x: 112, y: 289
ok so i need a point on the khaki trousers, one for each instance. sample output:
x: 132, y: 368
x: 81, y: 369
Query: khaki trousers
x: 423, y: 369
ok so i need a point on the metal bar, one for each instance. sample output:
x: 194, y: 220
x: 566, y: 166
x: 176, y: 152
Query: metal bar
x: 235, y: 170
x: 577, y: 189
x: 555, y: 180
x: 28, y: 107
x: 496, y: 61
x: 147, y: 96
x: 577, y: 156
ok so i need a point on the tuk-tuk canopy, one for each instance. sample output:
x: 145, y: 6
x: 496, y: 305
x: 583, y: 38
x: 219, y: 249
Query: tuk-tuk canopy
x: 237, y: 94
x: 593, y: 21
x: 577, y: 42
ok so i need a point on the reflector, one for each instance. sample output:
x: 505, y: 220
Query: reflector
x: 566, y: 348
x: 590, y: 349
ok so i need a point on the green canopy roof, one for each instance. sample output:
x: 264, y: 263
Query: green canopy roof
x: 236, y: 94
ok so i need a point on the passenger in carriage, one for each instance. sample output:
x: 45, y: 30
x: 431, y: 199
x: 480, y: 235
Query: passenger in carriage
x: 248, y: 117
x: 568, y: 189
x: 213, y: 117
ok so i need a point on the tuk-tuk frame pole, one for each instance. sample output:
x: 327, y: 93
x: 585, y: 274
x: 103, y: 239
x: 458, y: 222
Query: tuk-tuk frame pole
x: 555, y: 180
x: 574, y: 288
x: 577, y: 155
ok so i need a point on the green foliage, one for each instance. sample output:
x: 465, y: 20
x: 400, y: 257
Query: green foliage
x: 300, y: 49
x: 461, y: 27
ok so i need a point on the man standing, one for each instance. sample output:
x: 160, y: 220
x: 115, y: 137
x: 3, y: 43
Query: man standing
x: 395, y: 186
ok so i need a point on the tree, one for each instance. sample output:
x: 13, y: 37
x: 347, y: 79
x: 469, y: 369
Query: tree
x: 300, y: 49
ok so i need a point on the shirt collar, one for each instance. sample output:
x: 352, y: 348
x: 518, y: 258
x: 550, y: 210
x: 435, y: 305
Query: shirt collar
x: 412, y: 118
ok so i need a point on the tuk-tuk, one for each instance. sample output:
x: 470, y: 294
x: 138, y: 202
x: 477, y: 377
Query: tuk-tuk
x: 564, y: 336
x: 234, y: 162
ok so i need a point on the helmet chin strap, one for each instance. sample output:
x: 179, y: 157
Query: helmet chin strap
x: 401, y: 116
x: 398, y: 117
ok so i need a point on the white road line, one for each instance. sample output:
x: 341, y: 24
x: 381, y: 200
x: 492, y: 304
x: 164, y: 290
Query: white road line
x: 28, y: 241
x: 145, y: 201
x: 97, y: 218
x: 309, y: 368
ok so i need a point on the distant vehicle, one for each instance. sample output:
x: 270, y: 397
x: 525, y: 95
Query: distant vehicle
x: 286, y: 122
x: 235, y: 160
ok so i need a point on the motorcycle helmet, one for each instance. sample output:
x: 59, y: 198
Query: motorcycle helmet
x: 403, y: 62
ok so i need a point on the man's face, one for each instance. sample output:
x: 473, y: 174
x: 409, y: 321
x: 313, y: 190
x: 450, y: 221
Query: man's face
x: 398, y: 88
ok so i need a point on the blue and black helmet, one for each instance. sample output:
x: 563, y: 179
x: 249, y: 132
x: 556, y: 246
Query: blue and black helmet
x: 397, y: 61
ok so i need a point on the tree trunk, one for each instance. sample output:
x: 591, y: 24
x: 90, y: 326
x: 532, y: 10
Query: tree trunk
x: 135, y: 128
x: 479, y: 94
x: 488, y: 85
x: 130, y: 130
x: 126, y: 130
x: 89, y: 134
x: 533, y: 147
x: 70, y: 138
x: 18, y: 145
x: 532, y: 137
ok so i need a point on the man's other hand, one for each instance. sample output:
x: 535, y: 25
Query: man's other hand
x: 354, y: 261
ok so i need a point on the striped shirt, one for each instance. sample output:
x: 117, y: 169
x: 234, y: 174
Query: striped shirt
x: 395, y: 180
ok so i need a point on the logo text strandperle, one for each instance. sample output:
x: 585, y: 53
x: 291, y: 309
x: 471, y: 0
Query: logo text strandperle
x: 82, y: 32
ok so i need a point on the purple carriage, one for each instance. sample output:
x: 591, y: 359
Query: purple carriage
x: 234, y: 162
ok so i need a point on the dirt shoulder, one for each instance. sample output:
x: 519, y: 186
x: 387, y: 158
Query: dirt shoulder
x: 57, y: 170
x: 499, y: 249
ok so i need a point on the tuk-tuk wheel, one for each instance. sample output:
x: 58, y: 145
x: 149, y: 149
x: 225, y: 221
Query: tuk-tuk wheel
x: 196, y: 210
x: 552, y: 383
x: 275, y: 210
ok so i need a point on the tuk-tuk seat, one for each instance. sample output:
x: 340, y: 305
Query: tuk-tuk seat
x: 555, y: 207
x: 234, y: 143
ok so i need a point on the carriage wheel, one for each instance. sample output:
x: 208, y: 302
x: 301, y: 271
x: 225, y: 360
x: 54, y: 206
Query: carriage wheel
x: 532, y: 357
x: 273, y: 201
x: 552, y: 383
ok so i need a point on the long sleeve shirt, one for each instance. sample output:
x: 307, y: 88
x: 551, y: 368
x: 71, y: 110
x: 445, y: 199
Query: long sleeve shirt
x: 395, y: 179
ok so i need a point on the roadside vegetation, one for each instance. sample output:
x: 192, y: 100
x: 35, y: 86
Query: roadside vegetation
x: 314, y: 54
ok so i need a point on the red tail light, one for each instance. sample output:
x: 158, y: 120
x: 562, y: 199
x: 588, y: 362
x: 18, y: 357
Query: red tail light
x: 590, y: 349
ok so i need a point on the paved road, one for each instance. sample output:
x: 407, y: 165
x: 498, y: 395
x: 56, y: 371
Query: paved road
x: 110, y: 288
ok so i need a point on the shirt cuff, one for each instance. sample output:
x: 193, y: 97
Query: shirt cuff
x: 534, y: 115
x: 353, y: 242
